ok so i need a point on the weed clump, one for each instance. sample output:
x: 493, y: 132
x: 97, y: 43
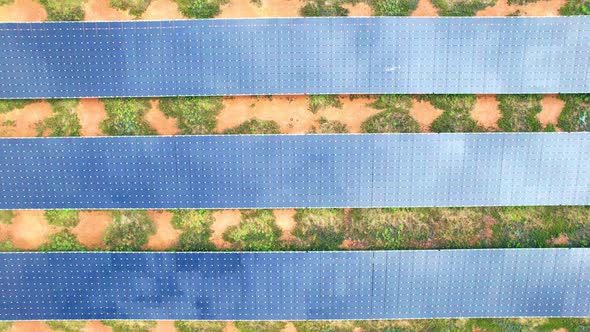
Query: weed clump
x: 256, y: 232
x: 456, y: 117
x: 315, y: 8
x: 329, y: 127
x: 195, y: 115
x: 135, y: 7
x: 6, y: 216
x: 64, y: 121
x: 64, y: 218
x: 200, y: 8
x: 575, y: 7
x: 461, y: 7
x: 196, y: 227
x: 519, y: 113
x: 129, y: 231
x: 393, y: 7
x: 64, y: 10
x: 320, y: 229
x: 130, y: 326
x: 7, y: 105
x: 255, y: 126
x: 395, y: 118
x: 575, y: 115
x: 319, y: 102
x: 63, y: 241
x: 125, y: 117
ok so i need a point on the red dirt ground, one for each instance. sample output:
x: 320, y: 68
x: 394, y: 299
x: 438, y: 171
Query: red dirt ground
x: 25, y: 119
x: 289, y: 327
x: 230, y: 327
x: 486, y: 111
x: 539, y: 8
x: 162, y: 10
x: 223, y: 220
x: 92, y: 227
x: 425, y: 8
x: 269, y: 8
x: 353, y: 112
x: 29, y: 229
x: 22, y: 11
x: 91, y: 113
x: 100, y: 10
x: 97, y: 326
x: 164, y: 326
x: 158, y: 121
x: 359, y: 9
x: 424, y: 113
x: 284, y: 219
x: 552, y: 107
x: 166, y: 236
x: 32, y: 326
x: 561, y: 240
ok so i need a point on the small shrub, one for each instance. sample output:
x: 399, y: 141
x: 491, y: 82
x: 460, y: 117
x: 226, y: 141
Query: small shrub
x: 253, y: 326
x: 550, y: 128
x: 575, y: 7
x: 520, y: 2
x: 329, y: 127
x: 135, y: 7
x: 7, y: 246
x: 9, y: 123
x: 130, y: 326
x: 255, y: 126
x: 320, y: 229
x: 66, y: 326
x: 63, y: 122
x: 395, y: 119
x: 519, y: 113
x: 65, y: 218
x: 125, y: 117
x: 195, y: 115
x: 199, y: 326
x: 196, y: 227
x: 319, y: 102
x: 63, y: 241
x: 130, y: 230
x: 257, y: 3
x: 7, y: 105
x: 200, y: 8
x: 461, y: 7
x: 393, y: 7
x: 6, y: 2
x: 456, y: 115
x: 63, y: 10
x: 315, y: 8
x: 575, y: 115
x: 256, y: 232
x: 6, y: 216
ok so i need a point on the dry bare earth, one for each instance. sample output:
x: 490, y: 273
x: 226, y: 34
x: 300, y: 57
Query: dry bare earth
x: 539, y: 8
x: 23, y: 11
x: 223, y: 220
x: 92, y: 227
x: 25, y: 119
x: 269, y: 8
x: 166, y: 236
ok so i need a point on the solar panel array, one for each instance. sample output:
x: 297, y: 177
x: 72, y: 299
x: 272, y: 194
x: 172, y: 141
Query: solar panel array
x: 295, y: 171
x: 296, y: 285
x: 295, y: 56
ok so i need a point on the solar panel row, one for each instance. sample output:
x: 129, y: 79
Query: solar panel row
x: 295, y: 56
x: 295, y: 171
x: 296, y: 285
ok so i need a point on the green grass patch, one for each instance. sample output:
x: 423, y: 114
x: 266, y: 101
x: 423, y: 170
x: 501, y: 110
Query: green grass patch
x: 6, y: 216
x: 251, y: 326
x: 5, y: 326
x: 195, y: 115
x: 317, y: 8
x: 129, y: 231
x: 9, y: 123
x: 319, y: 102
x: 64, y: 121
x: 320, y: 229
x: 255, y: 126
x: 575, y: 115
x: 519, y: 113
x: 6, y: 2
x: 461, y: 7
x: 395, y: 118
x: 66, y: 326
x: 456, y: 117
x: 198, y: 326
x: 257, y: 231
x: 7, y: 246
x: 125, y: 117
x: 65, y: 218
x: 329, y: 127
x: 200, y: 8
x: 196, y: 227
x: 393, y: 7
x: 64, y: 10
x: 7, y: 105
x: 575, y: 7
x: 130, y: 326
x: 63, y: 241
x: 135, y: 7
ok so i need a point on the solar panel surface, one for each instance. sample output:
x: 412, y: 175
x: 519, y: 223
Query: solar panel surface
x: 295, y: 171
x: 368, y: 55
x: 296, y: 285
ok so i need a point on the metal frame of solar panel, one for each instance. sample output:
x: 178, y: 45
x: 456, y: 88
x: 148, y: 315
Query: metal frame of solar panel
x: 369, y: 55
x: 296, y: 285
x: 295, y: 171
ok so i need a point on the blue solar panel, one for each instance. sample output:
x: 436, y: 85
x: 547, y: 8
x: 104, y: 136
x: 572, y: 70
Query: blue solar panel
x: 296, y: 285
x: 368, y: 55
x: 295, y: 171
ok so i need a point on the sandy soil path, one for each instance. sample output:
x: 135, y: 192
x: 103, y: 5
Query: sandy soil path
x: 32, y: 326
x: 91, y: 113
x: 223, y: 220
x: 29, y: 229
x: 92, y: 227
x: 158, y: 121
x: 268, y: 8
x: 100, y: 10
x: 25, y: 119
x: 425, y: 8
x: 162, y: 10
x: 23, y: 11
x: 423, y: 112
x: 552, y: 107
x: 97, y: 326
x: 166, y: 236
x: 486, y: 111
x: 353, y: 112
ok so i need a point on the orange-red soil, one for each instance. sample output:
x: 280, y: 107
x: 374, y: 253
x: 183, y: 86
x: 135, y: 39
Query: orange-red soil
x: 100, y: 10
x: 92, y: 227
x: 164, y: 326
x: 424, y: 113
x: 552, y: 107
x: 158, y: 121
x: 223, y: 220
x: 97, y: 326
x: 23, y: 11
x: 539, y: 8
x: 425, y: 8
x: 353, y: 112
x: 91, y: 113
x: 32, y: 326
x: 268, y: 8
x: 29, y: 229
x: 486, y: 111
x: 358, y: 9
x: 166, y: 236
x: 25, y: 119
x: 285, y: 221
x: 162, y: 10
